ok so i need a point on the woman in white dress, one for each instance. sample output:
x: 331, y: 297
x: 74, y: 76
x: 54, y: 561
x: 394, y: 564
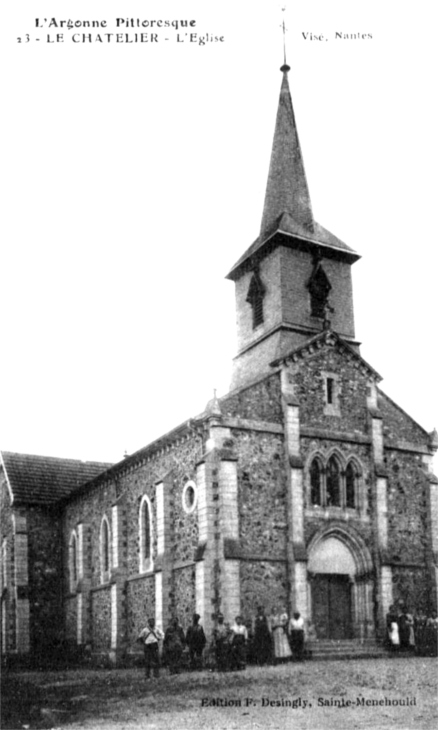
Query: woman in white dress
x: 394, y: 636
x: 279, y: 622
x: 239, y: 640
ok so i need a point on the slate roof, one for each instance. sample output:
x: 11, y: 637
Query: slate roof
x: 287, y: 227
x: 287, y: 213
x: 286, y: 189
x: 46, y: 479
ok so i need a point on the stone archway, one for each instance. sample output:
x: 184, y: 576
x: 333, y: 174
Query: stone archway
x: 341, y: 588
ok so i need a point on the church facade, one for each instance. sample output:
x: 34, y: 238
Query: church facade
x: 304, y: 487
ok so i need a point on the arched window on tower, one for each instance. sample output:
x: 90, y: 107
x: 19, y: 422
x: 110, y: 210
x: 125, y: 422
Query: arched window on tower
x: 333, y: 486
x: 319, y: 289
x: 105, y: 547
x: 350, y: 485
x: 315, y: 482
x: 256, y: 293
x: 145, y: 534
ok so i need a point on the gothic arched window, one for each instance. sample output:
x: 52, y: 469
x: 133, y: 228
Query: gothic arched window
x: 255, y: 295
x: 350, y: 485
x: 105, y: 548
x: 145, y: 534
x: 315, y: 482
x: 333, y: 486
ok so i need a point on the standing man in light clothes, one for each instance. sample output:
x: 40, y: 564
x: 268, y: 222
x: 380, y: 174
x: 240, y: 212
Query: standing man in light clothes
x: 150, y: 636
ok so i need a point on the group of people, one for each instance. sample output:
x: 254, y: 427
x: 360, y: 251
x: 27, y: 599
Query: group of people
x: 412, y: 632
x: 174, y: 641
x: 266, y: 640
x: 262, y: 641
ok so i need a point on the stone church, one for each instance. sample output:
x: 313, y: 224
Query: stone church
x: 305, y: 486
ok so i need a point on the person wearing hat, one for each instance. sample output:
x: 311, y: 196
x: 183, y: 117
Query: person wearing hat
x: 196, y: 642
x: 221, y: 641
x: 173, y: 645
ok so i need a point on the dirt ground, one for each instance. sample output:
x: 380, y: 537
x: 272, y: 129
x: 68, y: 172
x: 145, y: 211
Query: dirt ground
x: 383, y: 693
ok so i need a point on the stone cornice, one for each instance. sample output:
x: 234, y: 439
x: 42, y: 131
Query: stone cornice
x: 233, y: 550
x: 282, y: 326
x: 406, y: 446
x: 154, y: 450
x: 325, y: 433
x: 246, y: 424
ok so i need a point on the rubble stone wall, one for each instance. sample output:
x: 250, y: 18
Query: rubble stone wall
x: 140, y: 603
x: 259, y: 402
x: 351, y: 388
x: 101, y: 619
x: 185, y: 594
x: 397, y: 425
x: 407, y: 516
x: 70, y: 613
x: 411, y: 585
x: 261, y: 492
x: 262, y: 583
x: 45, y: 578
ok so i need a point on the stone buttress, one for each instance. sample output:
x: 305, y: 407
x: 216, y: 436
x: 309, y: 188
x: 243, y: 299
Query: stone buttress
x: 296, y: 548
x: 217, y: 572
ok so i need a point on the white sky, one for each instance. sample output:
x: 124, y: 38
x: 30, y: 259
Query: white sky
x: 134, y: 176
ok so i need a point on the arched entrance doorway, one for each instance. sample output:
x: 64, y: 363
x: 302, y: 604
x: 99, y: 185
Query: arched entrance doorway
x: 340, y: 573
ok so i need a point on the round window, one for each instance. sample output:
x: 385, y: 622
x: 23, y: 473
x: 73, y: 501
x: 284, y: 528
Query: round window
x: 189, y: 497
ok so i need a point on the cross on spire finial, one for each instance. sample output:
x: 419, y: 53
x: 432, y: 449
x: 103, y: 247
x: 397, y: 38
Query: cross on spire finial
x: 284, y: 67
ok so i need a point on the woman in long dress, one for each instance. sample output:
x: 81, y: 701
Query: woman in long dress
x: 262, y: 638
x: 394, y: 636
x: 392, y: 628
x: 296, y: 634
x: 279, y: 621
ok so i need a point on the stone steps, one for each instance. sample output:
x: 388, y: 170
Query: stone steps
x: 345, y: 649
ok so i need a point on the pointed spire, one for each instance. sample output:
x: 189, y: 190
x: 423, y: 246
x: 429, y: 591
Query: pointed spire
x: 286, y: 191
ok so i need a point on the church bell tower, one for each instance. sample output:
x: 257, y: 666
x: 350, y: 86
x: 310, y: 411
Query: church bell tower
x: 295, y: 279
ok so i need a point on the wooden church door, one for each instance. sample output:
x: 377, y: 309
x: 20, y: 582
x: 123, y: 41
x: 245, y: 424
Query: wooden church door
x: 331, y: 606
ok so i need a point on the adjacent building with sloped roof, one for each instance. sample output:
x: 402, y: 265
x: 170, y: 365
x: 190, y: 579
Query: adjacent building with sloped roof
x: 32, y: 492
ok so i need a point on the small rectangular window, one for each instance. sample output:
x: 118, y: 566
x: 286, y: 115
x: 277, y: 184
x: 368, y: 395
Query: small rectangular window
x: 330, y: 390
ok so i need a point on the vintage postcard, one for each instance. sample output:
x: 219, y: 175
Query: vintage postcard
x: 218, y: 496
